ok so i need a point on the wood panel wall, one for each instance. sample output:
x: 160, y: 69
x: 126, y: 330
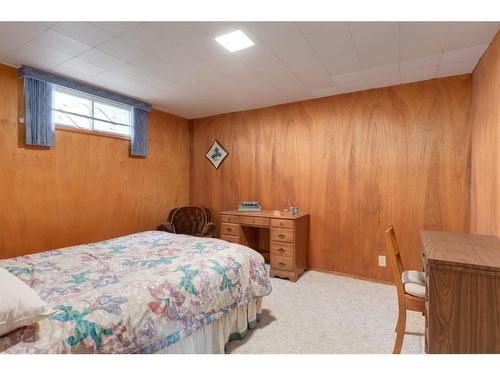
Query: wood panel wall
x: 485, y: 159
x: 356, y: 162
x: 87, y: 188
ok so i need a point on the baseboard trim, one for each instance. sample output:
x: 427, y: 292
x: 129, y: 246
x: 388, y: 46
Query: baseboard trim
x: 364, y: 278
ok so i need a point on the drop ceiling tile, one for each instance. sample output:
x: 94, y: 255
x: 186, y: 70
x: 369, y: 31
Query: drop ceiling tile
x: 469, y: 34
x: 353, y: 86
x: 270, y: 68
x: 377, y: 43
x: 216, y: 28
x: 14, y: 34
x: 83, y: 66
x: 14, y: 61
x: 47, y: 56
x: 177, y: 55
x: 349, y: 77
x: 384, y: 82
x: 286, y: 41
x: 83, y: 32
x: 382, y: 71
x: 121, y: 50
x: 207, y: 48
x: 116, y: 28
x: 326, y: 91
x: 71, y: 73
x: 101, y: 59
x: 149, y: 63
x: 383, y: 76
x: 144, y: 76
x: 147, y: 38
x: 47, y: 25
x: 418, y: 39
x: 418, y: 75
x: 62, y: 43
x: 115, y: 78
x: 351, y: 81
x: 454, y: 69
x: 465, y: 54
x: 181, y: 32
x: 423, y: 63
x: 333, y: 44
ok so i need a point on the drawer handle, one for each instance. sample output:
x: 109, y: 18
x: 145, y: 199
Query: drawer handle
x: 281, y: 224
x: 281, y: 250
x: 229, y: 230
x: 281, y: 264
x: 281, y: 235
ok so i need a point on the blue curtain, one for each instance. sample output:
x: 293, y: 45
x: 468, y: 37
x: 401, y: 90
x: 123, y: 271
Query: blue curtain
x: 38, y: 112
x: 27, y: 71
x: 38, y: 96
x: 139, y: 132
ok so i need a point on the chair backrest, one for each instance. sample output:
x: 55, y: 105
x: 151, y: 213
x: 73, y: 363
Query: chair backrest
x: 394, y: 257
x: 189, y: 219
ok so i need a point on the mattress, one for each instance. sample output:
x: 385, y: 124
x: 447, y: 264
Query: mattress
x: 141, y: 293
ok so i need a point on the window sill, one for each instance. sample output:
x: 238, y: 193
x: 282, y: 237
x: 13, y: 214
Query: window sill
x: 92, y: 132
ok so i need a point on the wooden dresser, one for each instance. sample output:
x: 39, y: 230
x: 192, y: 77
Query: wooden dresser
x: 463, y: 292
x: 282, y: 240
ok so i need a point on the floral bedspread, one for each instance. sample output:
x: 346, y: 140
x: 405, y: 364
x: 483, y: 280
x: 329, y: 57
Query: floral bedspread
x: 134, y: 294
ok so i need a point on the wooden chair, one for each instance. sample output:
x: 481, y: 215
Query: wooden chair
x: 410, y: 286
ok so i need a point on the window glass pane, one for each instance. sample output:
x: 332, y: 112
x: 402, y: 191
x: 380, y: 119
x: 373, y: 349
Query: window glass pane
x: 113, y: 128
x: 110, y: 112
x: 70, y: 102
x: 90, y: 113
x: 61, y: 118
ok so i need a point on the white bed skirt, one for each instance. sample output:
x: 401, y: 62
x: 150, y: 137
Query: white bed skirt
x: 213, y: 338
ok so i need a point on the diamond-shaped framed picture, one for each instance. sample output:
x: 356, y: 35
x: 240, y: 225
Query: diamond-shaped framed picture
x: 216, y: 154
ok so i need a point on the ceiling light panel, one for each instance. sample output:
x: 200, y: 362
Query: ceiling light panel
x: 235, y: 41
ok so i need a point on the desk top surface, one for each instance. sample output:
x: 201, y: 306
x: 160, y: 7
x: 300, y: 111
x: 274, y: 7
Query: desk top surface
x: 462, y: 249
x: 265, y: 213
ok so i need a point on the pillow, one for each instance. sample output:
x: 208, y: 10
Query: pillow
x: 20, y: 305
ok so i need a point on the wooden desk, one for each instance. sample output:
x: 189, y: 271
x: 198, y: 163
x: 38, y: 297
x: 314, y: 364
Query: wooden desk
x: 463, y: 292
x: 282, y: 240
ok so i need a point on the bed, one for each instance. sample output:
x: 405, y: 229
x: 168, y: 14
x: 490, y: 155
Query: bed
x: 150, y: 292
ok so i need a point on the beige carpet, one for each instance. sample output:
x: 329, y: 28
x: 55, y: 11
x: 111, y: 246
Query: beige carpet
x: 324, y: 313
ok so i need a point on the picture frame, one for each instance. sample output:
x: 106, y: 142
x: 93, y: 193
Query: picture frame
x: 216, y: 154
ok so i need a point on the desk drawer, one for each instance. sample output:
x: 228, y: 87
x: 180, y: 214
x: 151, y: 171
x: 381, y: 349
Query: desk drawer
x: 229, y: 218
x: 230, y: 229
x: 232, y: 239
x: 281, y: 263
x: 282, y: 223
x: 284, y: 235
x: 282, y: 249
x: 252, y: 220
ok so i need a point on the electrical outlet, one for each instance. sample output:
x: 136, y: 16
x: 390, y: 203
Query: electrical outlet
x: 381, y: 260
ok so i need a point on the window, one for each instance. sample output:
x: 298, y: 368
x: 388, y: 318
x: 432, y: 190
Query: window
x: 87, y: 112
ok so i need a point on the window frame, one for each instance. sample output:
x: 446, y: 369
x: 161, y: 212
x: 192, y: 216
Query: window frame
x: 92, y: 130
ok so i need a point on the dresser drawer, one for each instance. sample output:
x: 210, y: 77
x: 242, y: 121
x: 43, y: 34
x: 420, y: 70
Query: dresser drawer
x: 232, y: 239
x: 282, y: 223
x: 282, y: 249
x: 284, y: 235
x: 281, y: 263
x: 252, y: 220
x: 230, y: 229
x: 229, y: 218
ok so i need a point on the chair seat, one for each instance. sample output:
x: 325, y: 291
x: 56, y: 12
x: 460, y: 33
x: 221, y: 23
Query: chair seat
x: 414, y: 283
